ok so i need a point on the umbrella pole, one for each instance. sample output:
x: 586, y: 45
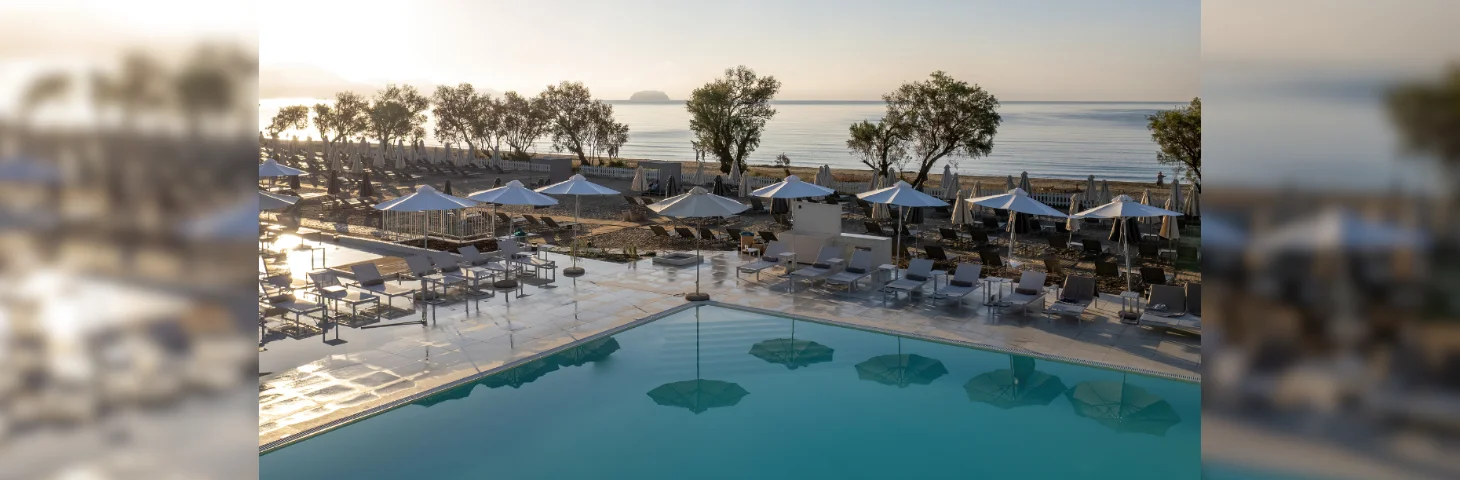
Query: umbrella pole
x: 1012, y: 228
x: 698, y: 296
x: 575, y: 270
x: 1126, y: 249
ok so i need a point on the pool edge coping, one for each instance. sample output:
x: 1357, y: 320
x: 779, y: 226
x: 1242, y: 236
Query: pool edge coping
x: 400, y: 402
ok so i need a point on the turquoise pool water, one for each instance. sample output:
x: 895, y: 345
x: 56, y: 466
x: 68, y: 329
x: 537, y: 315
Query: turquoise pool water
x: 710, y: 393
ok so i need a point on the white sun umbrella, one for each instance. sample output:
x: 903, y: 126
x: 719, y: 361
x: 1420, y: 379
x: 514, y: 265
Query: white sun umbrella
x: 1016, y: 201
x: 639, y: 183
x: 1146, y: 200
x: 955, y: 189
x: 271, y: 168
x: 1009, y: 183
x: 577, y: 186
x: 823, y: 176
x: 698, y: 203
x: 445, y: 154
x: 903, y: 195
x: 1105, y: 196
x: 273, y: 201
x: 1091, y: 190
x: 875, y: 182
x: 699, y: 173
x: 792, y: 187
x: 1219, y: 234
x: 1176, y: 197
x: 425, y: 199
x: 400, y: 158
x: 496, y: 154
x: 743, y: 186
x: 1334, y: 231
x: 1192, y: 206
x: 1024, y: 182
x: 513, y: 193
x: 735, y: 176
x: 947, y: 181
x: 1123, y: 207
x: 960, y: 209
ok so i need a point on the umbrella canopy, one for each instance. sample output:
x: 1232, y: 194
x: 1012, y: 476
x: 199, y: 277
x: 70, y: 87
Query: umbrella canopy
x: 590, y: 352
x: 294, y: 183
x: 639, y: 184
x: 1218, y: 233
x: 1335, y: 230
x: 1019, y: 201
x: 791, y: 352
x: 1024, y: 182
x: 1123, y: 206
x: 698, y: 395
x: 947, y: 180
x: 1105, y: 196
x: 1017, y: 386
x: 1072, y: 224
x: 271, y: 168
x: 1091, y: 190
x: 446, y: 189
x: 792, y: 187
x: 513, y: 193
x: 719, y: 187
x: 520, y: 375
x: 742, y: 184
x: 698, y: 203
x: 425, y: 199
x: 1123, y: 408
x: 961, y: 209
x: 577, y: 185
x: 823, y: 176
x: 367, y: 191
x: 1009, y: 183
x: 1176, y: 196
x: 333, y: 184
x: 272, y: 201
x: 902, y: 194
x: 1191, y: 207
x: 901, y: 370
x: 735, y: 176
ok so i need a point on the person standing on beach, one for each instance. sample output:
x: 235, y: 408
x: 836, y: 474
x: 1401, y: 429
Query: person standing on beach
x: 1160, y: 178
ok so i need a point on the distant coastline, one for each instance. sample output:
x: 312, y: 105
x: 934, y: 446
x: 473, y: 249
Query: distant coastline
x: 878, y: 102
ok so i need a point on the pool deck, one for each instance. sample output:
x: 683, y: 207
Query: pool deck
x: 306, y: 383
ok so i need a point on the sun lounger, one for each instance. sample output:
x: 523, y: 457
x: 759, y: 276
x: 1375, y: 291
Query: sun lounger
x: 1166, y: 308
x: 821, y: 267
x: 874, y: 229
x: 425, y: 269
x: 1107, y: 269
x: 684, y: 233
x: 937, y: 254
x: 771, y: 258
x: 858, y: 268
x: 707, y: 234
x: 919, y: 271
x: 532, y: 221
x: 367, y: 278
x: 328, y: 286
x: 1029, y: 291
x: 964, y: 282
x: 990, y: 258
x: 284, y: 298
x: 1077, y: 295
x: 553, y: 224
x: 659, y: 231
x: 768, y: 236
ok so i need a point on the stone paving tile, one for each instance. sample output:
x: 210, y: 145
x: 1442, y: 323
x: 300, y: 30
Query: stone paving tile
x: 378, y: 366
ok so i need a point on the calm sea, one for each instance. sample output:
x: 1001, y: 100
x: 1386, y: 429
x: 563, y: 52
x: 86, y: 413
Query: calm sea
x: 1047, y: 139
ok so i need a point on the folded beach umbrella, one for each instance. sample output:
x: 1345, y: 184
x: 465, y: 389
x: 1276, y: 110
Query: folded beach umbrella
x: 719, y: 187
x: 577, y: 186
x: 446, y: 189
x: 735, y: 176
x: 792, y: 187
x: 332, y: 185
x: 1105, y: 196
x: 903, y: 195
x: 524, y: 374
x: 1016, y: 201
x: 1072, y: 224
x: 960, y: 209
x: 1169, y: 229
x: 638, y: 184
x: 955, y: 188
x: 1092, y: 191
x: 271, y: 168
x: 366, y: 190
x: 1146, y: 200
x: 400, y: 155
x: 1009, y: 183
x: 699, y: 173
x: 594, y: 351
x: 947, y: 180
x: 1192, y: 206
x: 513, y: 193
x: 1125, y: 208
x: 698, y: 203
x: 425, y: 199
x: 294, y: 183
x: 1176, y: 197
x: 445, y: 154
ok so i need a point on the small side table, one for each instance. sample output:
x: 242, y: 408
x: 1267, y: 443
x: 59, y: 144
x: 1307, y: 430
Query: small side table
x: 789, y: 260
x: 887, y: 271
x: 934, y: 276
x: 1130, y: 305
x: 994, y: 290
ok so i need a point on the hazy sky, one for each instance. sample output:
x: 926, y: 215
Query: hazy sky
x: 820, y: 50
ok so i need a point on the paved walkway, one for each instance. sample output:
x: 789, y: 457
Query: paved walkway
x: 307, y: 382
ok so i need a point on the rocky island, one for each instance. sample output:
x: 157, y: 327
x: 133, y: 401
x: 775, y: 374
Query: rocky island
x: 649, y: 96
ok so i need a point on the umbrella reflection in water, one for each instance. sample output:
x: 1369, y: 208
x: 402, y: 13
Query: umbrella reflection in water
x: 698, y: 395
x: 1019, y: 385
x: 1122, y: 407
x: 901, y: 370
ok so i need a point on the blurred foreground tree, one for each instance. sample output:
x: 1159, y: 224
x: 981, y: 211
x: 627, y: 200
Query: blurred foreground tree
x: 348, y: 117
x: 578, y: 123
x: 880, y: 146
x: 1178, y: 132
x: 1428, y: 116
x: 728, y: 115
x: 396, y: 112
x: 943, y: 116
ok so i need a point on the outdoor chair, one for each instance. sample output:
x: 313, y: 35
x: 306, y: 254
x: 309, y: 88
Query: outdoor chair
x: 1166, y: 308
x: 734, y: 233
x: 1193, y: 299
x: 514, y: 254
x: 1052, y: 265
x: 978, y: 237
x: 990, y: 258
x: 424, y: 269
x: 821, y: 267
x: 479, y: 264
x: 532, y: 221
x: 919, y: 272
x: 858, y: 268
x: 684, y: 233
x: 768, y: 236
x: 866, y: 208
x: 1153, y: 275
x: 875, y: 229
x: 659, y: 231
x: 292, y: 304
x: 553, y: 224
x: 937, y: 254
x: 782, y: 219
x: 964, y: 282
x: 1075, y: 297
x: 991, y: 224
x: 708, y: 235
x: 508, y: 219
x: 1091, y: 248
x: 367, y: 278
x: 1029, y: 291
x: 771, y: 258
x: 1059, y: 227
x: 1148, y: 251
x: 1058, y: 242
x: 756, y: 206
x: 950, y: 235
x: 1107, y: 269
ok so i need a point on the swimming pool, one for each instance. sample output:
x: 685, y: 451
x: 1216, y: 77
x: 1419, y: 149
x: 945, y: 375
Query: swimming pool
x: 712, y: 392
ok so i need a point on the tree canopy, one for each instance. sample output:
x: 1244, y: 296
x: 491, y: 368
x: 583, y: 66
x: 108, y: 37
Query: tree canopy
x: 728, y: 115
x: 293, y: 117
x: 524, y: 120
x: 880, y: 146
x: 580, y: 124
x: 396, y: 113
x: 1178, y: 132
x: 348, y: 117
x: 943, y: 116
x: 458, y: 112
